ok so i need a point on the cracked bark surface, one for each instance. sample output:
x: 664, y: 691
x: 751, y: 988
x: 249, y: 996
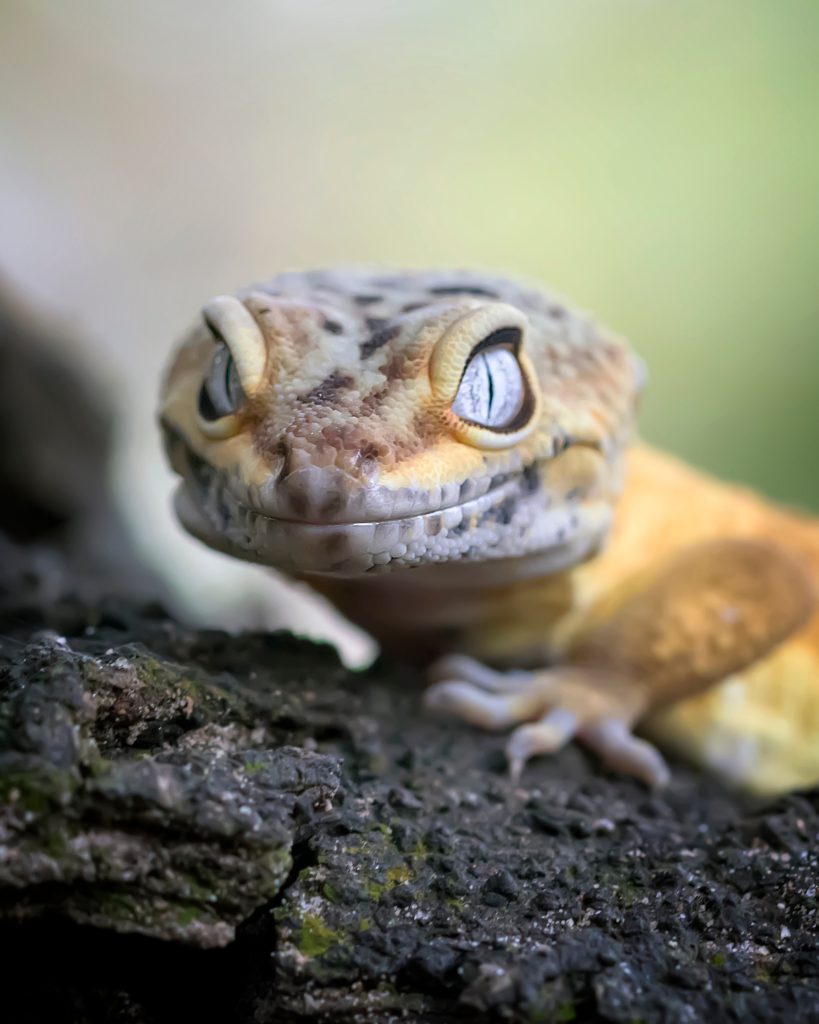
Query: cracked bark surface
x: 302, y: 842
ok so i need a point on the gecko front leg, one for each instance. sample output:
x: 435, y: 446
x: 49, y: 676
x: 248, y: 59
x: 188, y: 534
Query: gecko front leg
x: 660, y: 635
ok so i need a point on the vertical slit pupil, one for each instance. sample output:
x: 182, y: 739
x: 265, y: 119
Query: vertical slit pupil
x: 491, y: 384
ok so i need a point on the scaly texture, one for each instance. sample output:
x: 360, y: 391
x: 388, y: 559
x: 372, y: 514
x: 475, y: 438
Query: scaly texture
x: 446, y: 457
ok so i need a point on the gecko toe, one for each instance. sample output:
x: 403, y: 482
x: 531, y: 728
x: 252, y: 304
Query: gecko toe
x: 546, y: 736
x: 478, y: 707
x: 460, y: 666
x: 467, y: 702
x: 615, y: 744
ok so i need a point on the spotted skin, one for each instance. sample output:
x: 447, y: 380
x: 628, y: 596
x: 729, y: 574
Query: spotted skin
x: 619, y: 587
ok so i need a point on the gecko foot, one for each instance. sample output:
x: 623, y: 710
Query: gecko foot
x: 555, y: 706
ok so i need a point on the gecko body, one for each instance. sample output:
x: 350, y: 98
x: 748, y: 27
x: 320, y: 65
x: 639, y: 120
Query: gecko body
x: 449, y: 457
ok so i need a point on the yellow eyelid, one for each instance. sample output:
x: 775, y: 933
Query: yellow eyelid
x: 231, y: 320
x: 454, y: 347
x: 450, y: 356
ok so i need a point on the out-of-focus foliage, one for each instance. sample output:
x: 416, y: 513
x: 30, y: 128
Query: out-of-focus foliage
x: 658, y: 162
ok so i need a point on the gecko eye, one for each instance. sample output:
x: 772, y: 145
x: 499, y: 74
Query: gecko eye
x: 221, y: 393
x: 492, y: 392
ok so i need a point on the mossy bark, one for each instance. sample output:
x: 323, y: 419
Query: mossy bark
x: 354, y: 859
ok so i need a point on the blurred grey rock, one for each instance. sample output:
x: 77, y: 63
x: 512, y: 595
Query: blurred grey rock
x: 59, y: 531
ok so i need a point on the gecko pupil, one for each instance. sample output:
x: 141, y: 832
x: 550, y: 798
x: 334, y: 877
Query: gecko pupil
x: 491, y: 387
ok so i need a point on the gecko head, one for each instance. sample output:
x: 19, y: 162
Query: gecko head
x: 341, y: 423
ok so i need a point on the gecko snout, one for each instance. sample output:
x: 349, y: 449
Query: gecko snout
x: 315, y: 494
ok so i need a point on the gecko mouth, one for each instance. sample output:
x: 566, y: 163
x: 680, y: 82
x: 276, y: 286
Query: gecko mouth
x: 496, y: 485
x: 512, y: 515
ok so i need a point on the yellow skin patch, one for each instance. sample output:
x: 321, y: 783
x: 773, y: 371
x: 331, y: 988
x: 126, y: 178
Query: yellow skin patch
x: 447, y: 457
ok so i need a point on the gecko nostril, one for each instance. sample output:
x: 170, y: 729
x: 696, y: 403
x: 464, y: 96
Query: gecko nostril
x: 314, y: 494
x: 284, y: 453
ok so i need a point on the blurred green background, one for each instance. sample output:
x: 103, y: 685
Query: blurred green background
x: 658, y: 162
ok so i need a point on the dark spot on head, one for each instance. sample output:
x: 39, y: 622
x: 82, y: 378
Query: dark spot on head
x: 332, y: 506
x: 379, y: 338
x: 505, y: 511
x: 530, y: 480
x: 501, y: 513
x: 373, y: 399
x: 223, y: 510
x: 396, y: 368
x: 329, y: 389
x: 463, y: 289
x: 426, y: 430
x: 298, y: 504
x: 375, y: 323
x: 201, y: 471
x: 333, y: 326
x: 433, y: 526
x: 558, y: 312
x: 412, y: 306
x: 366, y: 300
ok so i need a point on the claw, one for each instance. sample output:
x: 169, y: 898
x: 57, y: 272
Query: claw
x: 547, y: 736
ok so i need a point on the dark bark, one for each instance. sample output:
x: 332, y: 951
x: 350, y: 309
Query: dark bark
x: 354, y: 858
